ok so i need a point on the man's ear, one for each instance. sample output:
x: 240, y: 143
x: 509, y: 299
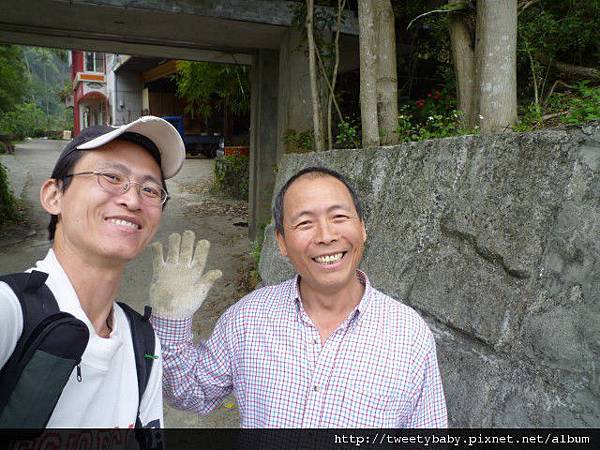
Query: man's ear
x: 281, y: 243
x: 51, y: 196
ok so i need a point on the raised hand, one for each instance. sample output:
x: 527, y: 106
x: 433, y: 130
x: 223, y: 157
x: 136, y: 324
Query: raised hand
x: 179, y: 284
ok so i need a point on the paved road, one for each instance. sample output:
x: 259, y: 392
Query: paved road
x: 192, y: 207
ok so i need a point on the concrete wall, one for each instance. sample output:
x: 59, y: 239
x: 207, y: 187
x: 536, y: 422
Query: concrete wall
x: 495, y: 240
x: 125, y: 96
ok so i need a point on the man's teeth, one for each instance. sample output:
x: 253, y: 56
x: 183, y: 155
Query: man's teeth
x: 123, y: 222
x: 329, y: 259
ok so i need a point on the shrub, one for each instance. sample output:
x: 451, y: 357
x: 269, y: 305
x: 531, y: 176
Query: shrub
x: 26, y: 119
x: 231, y: 176
x: 586, y: 106
x: 9, y: 208
x: 578, y: 104
x: 431, y: 117
x: 300, y: 141
x: 348, y: 134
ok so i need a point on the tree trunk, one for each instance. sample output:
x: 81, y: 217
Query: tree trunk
x: 368, y: 80
x: 314, y: 86
x: 463, y: 56
x: 387, y: 81
x: 496, y: 55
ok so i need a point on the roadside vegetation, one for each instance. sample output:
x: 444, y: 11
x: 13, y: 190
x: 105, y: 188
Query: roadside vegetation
x: 557, y: 63
x: 34, y: 84
x: 223, y: 89
x: 33, y: 87
x: 11, y: 210
x: 230, y: 176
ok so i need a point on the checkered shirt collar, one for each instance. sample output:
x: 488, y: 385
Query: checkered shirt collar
x: 358, y: 312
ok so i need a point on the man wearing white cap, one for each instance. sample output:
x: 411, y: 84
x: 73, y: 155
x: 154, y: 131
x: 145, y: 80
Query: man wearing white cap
x: 106, y: 197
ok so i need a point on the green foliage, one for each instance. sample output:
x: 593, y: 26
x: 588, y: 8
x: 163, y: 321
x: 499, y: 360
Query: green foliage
x: 26, y: 119
x: 530, y: 118
x: 323, y: 25
x: 48, y: 77
x: 231, y: 176
x: 436, y: 126
x: 348, y: 134
x: 9, y: 208
x: 68, y: 120
x: 302, y: 141
x: 578, y: 105
x: 256, y: 249
x: 549, y: 32
x: 205, y: 86
x: 562, y: 30
x: 30, y: 102
x: 432, y: 117
x: 13, y: 82
x: 586, y: 106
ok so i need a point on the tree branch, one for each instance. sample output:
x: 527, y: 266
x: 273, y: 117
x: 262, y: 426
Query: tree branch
x: 331, y: 97
x: 330, y: 88
x: 455, y: 5
x: 571, y: 69
x: 556, y: 83
x: 316, y: 103
x: 553, y: 115
x: 523, y: 6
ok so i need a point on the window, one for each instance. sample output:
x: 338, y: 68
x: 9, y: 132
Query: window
x: 94, y: 62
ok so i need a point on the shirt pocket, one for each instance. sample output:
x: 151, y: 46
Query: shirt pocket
x: 364, y: 407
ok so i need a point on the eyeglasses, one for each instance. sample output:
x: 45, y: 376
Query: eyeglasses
x: 117, y: 183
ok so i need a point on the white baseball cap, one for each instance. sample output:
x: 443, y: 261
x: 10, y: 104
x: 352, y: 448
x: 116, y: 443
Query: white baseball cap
x: 161, y: 133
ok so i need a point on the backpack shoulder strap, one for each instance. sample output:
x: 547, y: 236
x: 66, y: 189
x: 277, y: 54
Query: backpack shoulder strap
x: 37, y: 303
x: 142, y: 336
x: 36, y: 299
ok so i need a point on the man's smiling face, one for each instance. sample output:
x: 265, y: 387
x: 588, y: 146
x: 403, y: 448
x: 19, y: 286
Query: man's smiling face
x: 102, y: 225
x: 324, y: 237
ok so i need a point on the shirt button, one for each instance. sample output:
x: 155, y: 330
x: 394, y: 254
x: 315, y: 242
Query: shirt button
x: 315, y: 341
x: 316, y: 388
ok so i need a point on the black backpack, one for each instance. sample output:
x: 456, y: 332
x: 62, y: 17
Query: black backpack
x: 49, y: 348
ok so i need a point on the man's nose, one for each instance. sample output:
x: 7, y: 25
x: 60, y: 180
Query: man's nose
x: 131, y: 198
x: 326, y: 232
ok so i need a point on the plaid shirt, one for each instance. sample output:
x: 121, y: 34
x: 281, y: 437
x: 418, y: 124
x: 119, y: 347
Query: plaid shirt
x: 377, y: 369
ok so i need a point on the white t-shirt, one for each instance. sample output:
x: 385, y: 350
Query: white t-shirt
x: 107, y: 396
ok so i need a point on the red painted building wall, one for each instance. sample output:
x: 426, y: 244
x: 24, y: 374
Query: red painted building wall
x: 80, y: 99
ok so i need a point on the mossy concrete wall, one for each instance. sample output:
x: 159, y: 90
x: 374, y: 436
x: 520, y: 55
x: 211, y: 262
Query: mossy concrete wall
x: 495, y: 240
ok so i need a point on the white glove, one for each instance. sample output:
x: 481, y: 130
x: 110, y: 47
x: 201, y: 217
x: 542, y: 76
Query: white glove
x: 178, y: 286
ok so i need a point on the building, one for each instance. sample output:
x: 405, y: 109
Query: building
x: 90, y: 97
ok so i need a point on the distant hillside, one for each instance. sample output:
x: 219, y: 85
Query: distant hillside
x: 48, y: 74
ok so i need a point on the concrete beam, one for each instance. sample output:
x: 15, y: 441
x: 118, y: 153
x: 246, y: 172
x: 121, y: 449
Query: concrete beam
x: 228, y: 26
x: 273, y: 12
x: 160, y: 28
x: 119, y: 44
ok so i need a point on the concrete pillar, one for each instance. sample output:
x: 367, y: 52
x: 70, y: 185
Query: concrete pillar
x: 264, y: 76
x: 295, y: 107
